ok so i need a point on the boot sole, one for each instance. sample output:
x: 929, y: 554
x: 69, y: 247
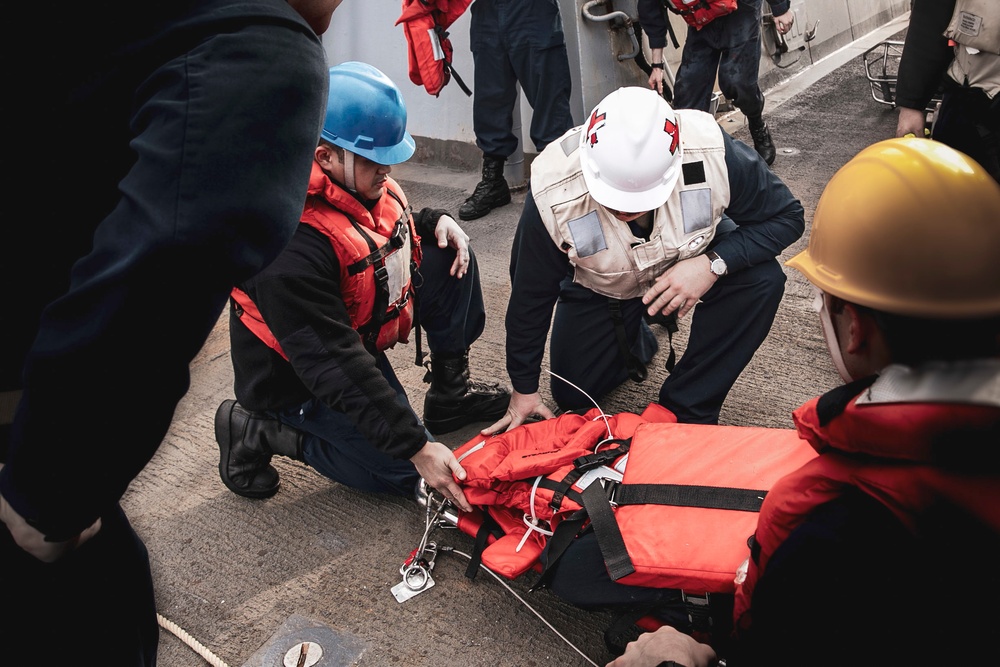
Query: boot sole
x: 224, y: 437
x: 449, y: 424
x: 476, y: 216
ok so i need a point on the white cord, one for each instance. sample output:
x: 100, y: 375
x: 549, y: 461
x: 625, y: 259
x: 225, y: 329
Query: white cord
x: 512, y: 592
x: 532, y: 521
x: 198, y: 647
x: 603, y: 416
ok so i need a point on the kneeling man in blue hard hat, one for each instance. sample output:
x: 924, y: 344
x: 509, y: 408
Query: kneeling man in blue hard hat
x: 309, y: 333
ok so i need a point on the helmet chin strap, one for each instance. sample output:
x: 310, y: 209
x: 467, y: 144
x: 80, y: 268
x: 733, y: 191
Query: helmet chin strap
x: 819, y: 304
x: 349, y: 170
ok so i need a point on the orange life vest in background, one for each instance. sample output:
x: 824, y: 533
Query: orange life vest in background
x: 672, y: 504
x: 430, y: 52
x: 699, y: 13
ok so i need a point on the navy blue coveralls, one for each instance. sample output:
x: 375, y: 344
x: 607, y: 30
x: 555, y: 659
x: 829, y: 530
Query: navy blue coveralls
x: 728, y: 46
x: 187, y: 132
x: 727, y: 327
x: 518, y: 41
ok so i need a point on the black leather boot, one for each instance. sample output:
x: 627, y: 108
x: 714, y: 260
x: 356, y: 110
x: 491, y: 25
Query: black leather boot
x: 247, y: 441
x: 453, y: 400
x: 490, y: 193
x: 761, y: 139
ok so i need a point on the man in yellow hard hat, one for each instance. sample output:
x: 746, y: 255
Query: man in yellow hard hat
x: 874, y: 552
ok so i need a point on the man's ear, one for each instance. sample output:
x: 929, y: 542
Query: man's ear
x: 861, y: 328
x: 324, y: 155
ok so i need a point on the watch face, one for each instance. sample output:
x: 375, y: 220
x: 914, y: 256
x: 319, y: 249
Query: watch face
x: 718, y: 267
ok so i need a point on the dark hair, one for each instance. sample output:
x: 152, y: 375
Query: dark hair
x: 913, y: 340
x: 335, y: 148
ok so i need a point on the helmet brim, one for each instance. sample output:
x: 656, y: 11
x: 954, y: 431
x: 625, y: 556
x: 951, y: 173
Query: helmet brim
x: 387, y: 155
x: 631, y: 202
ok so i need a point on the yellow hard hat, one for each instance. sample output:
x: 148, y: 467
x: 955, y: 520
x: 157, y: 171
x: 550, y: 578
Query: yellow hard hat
x: 911, y: 227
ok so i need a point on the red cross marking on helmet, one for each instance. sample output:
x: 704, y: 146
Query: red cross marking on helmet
x: 594, y: 120
x: 675, y: 136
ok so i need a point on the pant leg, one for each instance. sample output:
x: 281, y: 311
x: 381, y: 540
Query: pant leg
x: 335, y: 448
x: 94, y: 603
x: 695, y: 76
x: 739, y: 66
x: 580, y: 577
x: 537, y: 52
x: 494, y: 82
x: 451, y: 311
x: 584, y: 346
x: 727, y: 327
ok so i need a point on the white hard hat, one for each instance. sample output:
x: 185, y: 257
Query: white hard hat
x: 630, y: 150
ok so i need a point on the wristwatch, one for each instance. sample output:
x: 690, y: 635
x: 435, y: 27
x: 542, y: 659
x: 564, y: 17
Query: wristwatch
x: 718, y: 265
x: 656, y: 65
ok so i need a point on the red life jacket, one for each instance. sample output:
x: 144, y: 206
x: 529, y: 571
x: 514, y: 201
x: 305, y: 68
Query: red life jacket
x: 377, y: 252
x: 699, y: 13
x: 689, y: 491
x: 897, y: 470
x: 430, y: 52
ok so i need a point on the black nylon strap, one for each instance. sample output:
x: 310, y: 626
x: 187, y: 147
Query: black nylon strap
x: 687, y: 495
x: 488, y: 527
x: 636, y: 369
x: 609, y: 536
x: 556, y: 546
x: 581, y: 465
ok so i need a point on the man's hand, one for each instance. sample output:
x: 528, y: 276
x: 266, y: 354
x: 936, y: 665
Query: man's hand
x: 663, y: 645
x: 784, y: 22
x: 520, y: 408
x: 680, y: 287
x: 439, y: 468
x: 449, y: 233
x: 656, y: 74
x: 32, y: 541
x: 911, y: 121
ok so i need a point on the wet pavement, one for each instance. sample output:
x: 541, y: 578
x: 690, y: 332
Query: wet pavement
x: 248, y: 580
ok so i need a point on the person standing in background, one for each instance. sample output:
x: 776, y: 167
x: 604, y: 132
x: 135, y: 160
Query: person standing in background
x: 954, y: 45
x: 514, y: 42
x: 164, y: 155
x: 727, y: 46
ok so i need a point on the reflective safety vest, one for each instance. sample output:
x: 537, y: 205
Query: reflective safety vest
x: 672, y: 504
x: 699, y: 13
x: 974, y: 30
x: 377, y: 251
x: 606, y: 257
x: 430, y: 52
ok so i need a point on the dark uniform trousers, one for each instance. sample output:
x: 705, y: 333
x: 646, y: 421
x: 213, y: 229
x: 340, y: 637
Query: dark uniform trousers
x: 730, y: 47
x: 518, y: 41
x: 727, y: 326
x: 452, y: 316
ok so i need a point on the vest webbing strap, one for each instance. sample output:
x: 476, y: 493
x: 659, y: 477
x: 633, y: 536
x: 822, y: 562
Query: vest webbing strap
x: 581, y: 465
x: 685, y: 495
x: 609, y: 537
x: 636, y: 369
x: 488, y: 527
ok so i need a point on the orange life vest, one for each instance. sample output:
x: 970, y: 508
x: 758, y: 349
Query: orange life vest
x: 699, y: 13
x: 377, y: 252
x: 895, y: 440
x: 676, y: 507
x: 430, y: 52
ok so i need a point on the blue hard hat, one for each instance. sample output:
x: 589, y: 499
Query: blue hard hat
x: 366, y: 114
